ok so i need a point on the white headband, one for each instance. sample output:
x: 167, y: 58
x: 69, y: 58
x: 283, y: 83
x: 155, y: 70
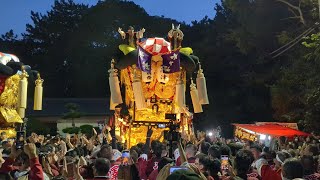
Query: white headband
x: 278, y: 159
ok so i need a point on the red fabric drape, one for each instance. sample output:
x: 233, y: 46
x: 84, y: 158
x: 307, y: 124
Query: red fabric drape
x: 272, y: 130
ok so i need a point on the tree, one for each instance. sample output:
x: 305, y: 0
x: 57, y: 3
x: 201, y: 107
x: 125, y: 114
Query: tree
x: 73, y: 112
x: 305, y: 12
x: 47, y: 41
x: 72, y: 45
x: 311, y: 122
x: 9, y: 36
x: 71, y: 130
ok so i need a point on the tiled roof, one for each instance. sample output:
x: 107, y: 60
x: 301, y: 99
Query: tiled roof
x: 56, y: 106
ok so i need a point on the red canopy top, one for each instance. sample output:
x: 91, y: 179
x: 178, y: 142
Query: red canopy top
x: 272, y: 130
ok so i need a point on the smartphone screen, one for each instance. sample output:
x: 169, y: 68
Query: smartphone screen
x: 20, y: 140
x: 125, y: 157
x: 224, y: 162
x: 175, y: 168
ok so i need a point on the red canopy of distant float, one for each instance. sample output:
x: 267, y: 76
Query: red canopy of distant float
x: 272, y: 130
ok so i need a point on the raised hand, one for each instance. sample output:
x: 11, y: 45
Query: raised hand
x: 63, y: 146
x: 76, y: 170
x: 14, y: 152
x: 65, y: 168
x: 94, y: 132
x: 82, y: 161
x: 40, y: 139
x: 68, y: 137
x: 46, y: 166
x: 34, y: 138
x: 31, y: 150
x: 149, y: 132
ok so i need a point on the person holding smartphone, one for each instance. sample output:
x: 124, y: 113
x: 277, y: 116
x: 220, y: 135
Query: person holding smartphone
x: 31, y: 167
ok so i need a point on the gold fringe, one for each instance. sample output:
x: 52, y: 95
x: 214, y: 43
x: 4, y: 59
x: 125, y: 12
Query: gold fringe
x: 10, y: 132
x: 9, y: 96
x: 8, y: 102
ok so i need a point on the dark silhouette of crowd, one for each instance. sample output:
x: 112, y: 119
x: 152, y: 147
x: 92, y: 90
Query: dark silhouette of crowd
x: 101, y: 156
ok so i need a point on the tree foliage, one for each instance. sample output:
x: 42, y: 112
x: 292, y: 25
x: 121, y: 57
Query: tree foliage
x: 71, y: 130
x: 73, y: 112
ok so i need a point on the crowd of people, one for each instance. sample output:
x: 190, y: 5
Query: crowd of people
x: 79, y: 157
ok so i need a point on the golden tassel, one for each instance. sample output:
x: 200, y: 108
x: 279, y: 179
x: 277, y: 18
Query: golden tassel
x: 138, y: 92
x: 112, y: 105
x: 23, y: 90
x: 21, y: 112
x: 202, y: 87
x: 38, y: 92
x: 114, y: 84
x: 197, y: 108
x: 180, y: 93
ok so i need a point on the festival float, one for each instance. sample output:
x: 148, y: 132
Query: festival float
x: 14, y: 76
x: 148, y: 79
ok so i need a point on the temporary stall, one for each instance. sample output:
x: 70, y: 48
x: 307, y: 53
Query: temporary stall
x: 254, y: 131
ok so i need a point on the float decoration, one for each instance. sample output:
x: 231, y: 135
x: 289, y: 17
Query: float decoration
x: 202, y: 87
x: 38, y: 92
x: 197, y: 108
x: 23, y: 90
x: 242, y: 134
x: 180, y: 97
x: 153, y: 80
x: 114, y: 84
x: 13, y: 92
x: 139, y: 99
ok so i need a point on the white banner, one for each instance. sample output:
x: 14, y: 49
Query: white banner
x: 288, y: 125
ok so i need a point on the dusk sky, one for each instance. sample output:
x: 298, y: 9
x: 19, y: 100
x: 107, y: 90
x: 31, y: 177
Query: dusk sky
x: 16, y: 13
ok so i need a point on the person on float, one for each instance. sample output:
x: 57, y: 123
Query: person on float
x: 119, y: 121
x: 113, y: 122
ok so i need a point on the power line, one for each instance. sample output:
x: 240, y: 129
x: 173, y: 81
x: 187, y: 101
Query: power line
x: 292, y: 43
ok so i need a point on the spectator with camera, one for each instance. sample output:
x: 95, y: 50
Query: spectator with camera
x: 29, y: 165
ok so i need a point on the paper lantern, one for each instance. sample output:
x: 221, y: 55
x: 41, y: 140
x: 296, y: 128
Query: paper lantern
x: 138, y: 92
x: 38, y: 92
x: 23, y: 90
x: 197, y: 108
x: 114, y: 84
x: 202, y: 87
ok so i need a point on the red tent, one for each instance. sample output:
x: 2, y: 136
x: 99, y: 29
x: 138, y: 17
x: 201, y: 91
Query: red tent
x: 272, y: 130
